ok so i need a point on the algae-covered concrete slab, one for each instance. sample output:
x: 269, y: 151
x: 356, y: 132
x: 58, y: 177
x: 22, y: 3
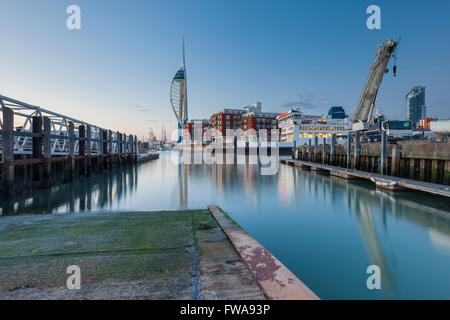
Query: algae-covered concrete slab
x: 132, y: 255
x: 121, y: 255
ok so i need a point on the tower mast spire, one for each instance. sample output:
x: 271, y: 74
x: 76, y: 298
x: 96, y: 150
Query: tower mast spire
x: 183, y: 62
x: 185, y: 111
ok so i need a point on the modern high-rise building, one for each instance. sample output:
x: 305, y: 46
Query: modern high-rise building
x: 415, y: 105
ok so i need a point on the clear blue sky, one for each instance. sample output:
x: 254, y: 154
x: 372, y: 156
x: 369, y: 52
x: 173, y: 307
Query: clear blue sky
x: 237, y: 52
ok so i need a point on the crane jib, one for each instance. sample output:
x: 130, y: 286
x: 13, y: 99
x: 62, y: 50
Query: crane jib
x: 366, y: 103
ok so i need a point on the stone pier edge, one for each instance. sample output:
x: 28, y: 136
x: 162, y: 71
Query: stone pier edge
x: 276, y: 281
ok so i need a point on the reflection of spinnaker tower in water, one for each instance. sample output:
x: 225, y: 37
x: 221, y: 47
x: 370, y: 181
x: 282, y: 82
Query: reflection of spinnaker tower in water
x: 178, y: 96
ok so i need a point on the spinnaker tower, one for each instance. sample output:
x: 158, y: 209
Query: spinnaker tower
x: 178, y: 96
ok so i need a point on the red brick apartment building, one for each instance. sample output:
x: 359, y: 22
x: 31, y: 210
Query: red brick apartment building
x: 245, y: 119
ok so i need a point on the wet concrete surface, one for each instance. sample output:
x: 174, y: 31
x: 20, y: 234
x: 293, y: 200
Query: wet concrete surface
x: 276, y: 281
x: 121, y: 255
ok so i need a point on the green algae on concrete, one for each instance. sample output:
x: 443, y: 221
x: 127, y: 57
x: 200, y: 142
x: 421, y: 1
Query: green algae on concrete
x: 134, y: 255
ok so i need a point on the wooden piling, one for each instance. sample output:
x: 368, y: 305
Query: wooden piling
x: 70, y: 162
x: 309, y: 151
x: 349, y: 151
x: 316, y: 147
x: 101, y: 145
x: 82, y: 149
x: 383, y: 152
x: 119, y: 148
x: 110, y: 150
x: 104, y: 149
x: 130, y: 148
x: 396, y: 156
x: 135, y: 149
x: 333, y: 149
x: 47, y: 156
x: 88, y: 150
x: 8, y: 152
x: 356, y: 151
x: 37, y: 147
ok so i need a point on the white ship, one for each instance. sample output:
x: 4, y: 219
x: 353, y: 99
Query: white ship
x: 299, y: 128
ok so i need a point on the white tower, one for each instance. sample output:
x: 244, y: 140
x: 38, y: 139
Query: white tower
x: 178, y: 96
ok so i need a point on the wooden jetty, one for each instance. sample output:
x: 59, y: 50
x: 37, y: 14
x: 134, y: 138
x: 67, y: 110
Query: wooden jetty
x: 40, y: 148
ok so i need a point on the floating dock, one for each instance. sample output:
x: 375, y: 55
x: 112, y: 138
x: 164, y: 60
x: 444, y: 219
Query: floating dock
x: 381, y: 181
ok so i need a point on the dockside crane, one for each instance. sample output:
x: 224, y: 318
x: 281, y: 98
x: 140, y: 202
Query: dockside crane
x: 362, y: 118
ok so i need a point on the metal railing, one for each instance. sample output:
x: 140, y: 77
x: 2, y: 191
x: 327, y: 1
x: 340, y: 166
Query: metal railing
x: 23, y: 133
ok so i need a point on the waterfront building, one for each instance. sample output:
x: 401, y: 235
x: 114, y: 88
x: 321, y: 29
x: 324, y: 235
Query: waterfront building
x: 255, y: 119
x: 415, y: 105
x: 249, y: 117
x: 299, y: 127
x: 189, y: 127
x: 226, y: 119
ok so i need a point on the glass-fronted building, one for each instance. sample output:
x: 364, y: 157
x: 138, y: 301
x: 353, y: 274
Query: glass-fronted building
x: 415, y: 105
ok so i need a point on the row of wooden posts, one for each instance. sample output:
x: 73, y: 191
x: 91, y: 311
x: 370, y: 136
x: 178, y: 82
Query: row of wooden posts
x: 312, y: 152
x: 424, y: 166
x: 41, y: 159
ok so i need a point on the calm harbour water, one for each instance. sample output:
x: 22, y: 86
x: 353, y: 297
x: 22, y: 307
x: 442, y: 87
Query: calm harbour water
x: 325, y: 230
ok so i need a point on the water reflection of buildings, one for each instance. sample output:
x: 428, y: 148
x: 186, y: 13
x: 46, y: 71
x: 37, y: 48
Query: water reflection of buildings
x: 97, y: 192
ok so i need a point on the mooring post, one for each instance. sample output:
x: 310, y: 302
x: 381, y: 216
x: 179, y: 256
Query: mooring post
x: 349, y: 150
x: 130, y: 150
x: 37, y: 147
x: 324, y: 150
x: 333, y: 149
x: 396, y: 156
x: 119, y: 148
x: 88, y: 150
x: 135, y: 149
x: 8, y: 152
x: 46, y: 161
x: 316, y: 148
x: 294, y: 150
x: 125, y: 148
x: 356, y: 152
x: 70, y: 165
x: 82, y: 148
x: 128, y: 143
x: 309, y: 151
x: 99, y: 164
x: 104, y: 148
x: 383, y: 151
x: 110, y: 151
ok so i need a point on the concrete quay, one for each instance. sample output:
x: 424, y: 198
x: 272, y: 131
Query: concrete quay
x: 184, y: 255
